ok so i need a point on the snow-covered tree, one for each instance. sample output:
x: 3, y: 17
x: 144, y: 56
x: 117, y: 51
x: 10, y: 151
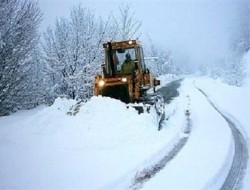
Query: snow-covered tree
x: 158, y: 59
x: 231, y: 70
x: 19, y: 22
x: 127, y: 25
x: 73, y: 53
x: 240, y: 39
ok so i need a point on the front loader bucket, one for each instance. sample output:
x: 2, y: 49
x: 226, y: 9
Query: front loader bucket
x: 119, y: 92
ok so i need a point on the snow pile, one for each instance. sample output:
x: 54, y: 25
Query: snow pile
x: 106, y: 122
x: 45, y: 148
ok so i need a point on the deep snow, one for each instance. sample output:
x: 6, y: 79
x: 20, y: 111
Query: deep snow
x: 46, y: 148
x: 106, y: 144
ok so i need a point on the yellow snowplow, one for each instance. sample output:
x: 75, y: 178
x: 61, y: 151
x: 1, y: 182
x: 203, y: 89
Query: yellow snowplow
x: 134, y: 86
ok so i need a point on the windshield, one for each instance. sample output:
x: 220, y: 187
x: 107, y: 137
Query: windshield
x: 119, y: 56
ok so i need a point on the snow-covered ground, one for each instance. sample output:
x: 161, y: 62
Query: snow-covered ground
x: 45, y: 148
x: 105, y: 145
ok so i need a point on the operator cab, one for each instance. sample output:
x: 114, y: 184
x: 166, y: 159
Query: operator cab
x: 115, y: 56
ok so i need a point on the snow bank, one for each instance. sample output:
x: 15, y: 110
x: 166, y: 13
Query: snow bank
x: 47, y: 149
x: 231, y: 100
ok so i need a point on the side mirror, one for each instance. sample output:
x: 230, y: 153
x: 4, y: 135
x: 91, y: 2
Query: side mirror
x: 156, y: 82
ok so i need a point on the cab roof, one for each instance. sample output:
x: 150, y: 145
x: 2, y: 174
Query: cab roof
x: 122, y: 44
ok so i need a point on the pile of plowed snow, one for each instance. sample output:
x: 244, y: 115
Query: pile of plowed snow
x: 105, y: 142
x: 104, y: 122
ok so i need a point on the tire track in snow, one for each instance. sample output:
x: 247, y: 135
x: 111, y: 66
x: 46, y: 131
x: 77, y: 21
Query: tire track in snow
x: 147, y: 173
x: 240, y: 159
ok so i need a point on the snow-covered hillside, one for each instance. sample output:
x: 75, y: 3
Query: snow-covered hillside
x: 105, y: 145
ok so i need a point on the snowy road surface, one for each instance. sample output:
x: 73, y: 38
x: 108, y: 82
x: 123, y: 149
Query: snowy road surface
x: 106, y: 145
x: 240, y: 158
x: 170, y: 90
x: 206, y: 159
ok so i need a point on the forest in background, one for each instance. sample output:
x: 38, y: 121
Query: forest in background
x: 37, y: 68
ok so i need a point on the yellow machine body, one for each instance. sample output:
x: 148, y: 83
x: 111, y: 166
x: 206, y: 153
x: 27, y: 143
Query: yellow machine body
x: 131, y: 87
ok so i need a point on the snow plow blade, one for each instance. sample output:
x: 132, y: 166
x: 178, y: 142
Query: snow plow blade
x: 153, y: 102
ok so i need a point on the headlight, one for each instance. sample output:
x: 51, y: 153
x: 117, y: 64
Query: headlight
x: 124, y: 79
x: 101, y: 83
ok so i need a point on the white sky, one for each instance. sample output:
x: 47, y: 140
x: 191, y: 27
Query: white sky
x: 195, y: 30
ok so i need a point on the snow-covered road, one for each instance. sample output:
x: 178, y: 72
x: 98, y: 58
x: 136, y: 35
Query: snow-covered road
x: 206, y: 158
x: 240, y: 158
x: 107, y: 146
